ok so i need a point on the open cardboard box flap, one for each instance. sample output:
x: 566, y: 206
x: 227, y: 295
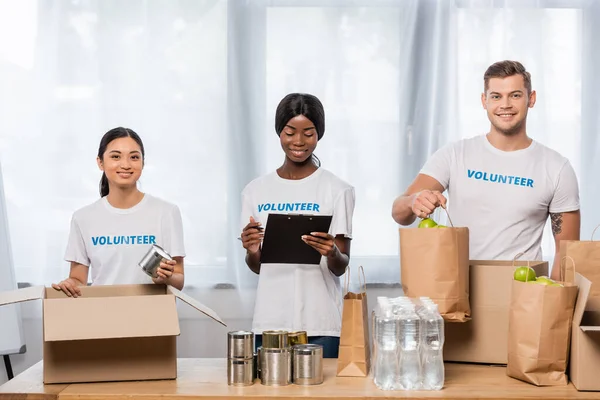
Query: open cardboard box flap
x: 135, y: 310
x: 585, y: 341
x: 196, y: 304
x: 582, y: 297
x: 21, y: 295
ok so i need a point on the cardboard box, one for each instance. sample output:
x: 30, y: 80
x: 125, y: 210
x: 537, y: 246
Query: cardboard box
x: 585, y: 340
x: 110, y: 333
x: 484, y: 339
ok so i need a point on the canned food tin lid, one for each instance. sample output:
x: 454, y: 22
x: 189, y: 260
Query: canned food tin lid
x: 274, y: 333
x: 308, y: 349
x: 161, y: 252
x: 240, y: 334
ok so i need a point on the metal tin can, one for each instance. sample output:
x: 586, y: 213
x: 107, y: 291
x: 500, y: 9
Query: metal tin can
x: 276, y: 366
x: 274, y: 339
x: 152, y: 259
x: 307, y: 364
x: 295, y: 338
x: 240, y: 372
x: 240, y: 344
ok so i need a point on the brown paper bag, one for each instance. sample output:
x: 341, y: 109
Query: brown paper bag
x: 354, y: 358
x: 539, y: 332
x: 434, y: 262
x: 586, y: 255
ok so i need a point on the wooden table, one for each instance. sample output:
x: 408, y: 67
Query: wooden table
x: 207, y: 379
x: 28, y: 385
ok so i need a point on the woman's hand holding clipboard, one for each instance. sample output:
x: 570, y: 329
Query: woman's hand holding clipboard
x: 323, y: 242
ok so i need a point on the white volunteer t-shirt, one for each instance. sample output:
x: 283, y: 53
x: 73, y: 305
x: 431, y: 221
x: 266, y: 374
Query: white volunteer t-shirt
x: 504, y: 198
x: 297, y: 297
x: 112, y: 241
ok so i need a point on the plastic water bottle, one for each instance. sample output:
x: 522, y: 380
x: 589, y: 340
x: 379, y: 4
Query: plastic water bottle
x: 432, y: 345
x: 381, y: 308
x: 385, y: 345
x: 409, y: 359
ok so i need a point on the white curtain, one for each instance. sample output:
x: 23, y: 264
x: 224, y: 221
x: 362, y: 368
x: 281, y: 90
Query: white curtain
x: 200, y: 81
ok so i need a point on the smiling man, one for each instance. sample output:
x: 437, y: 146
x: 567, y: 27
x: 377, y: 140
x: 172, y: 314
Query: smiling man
x: 502, y: 185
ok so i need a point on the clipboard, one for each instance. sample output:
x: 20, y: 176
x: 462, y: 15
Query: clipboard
x: 282, y: 243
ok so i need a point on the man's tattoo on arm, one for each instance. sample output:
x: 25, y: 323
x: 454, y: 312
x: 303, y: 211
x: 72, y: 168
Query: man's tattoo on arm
x: 556, y: 223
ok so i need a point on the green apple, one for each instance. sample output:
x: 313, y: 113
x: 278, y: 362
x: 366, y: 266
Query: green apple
x: 427, y: 223
x: 524, y: 274
x: 546, y: 282
x: 441, y: 226
x: 545, y: 279
x: 540, y: 283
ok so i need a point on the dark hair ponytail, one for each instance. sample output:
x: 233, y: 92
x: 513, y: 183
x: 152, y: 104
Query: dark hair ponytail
x: 316, y: 160
x: 108, y: 137
x: 103, y: 185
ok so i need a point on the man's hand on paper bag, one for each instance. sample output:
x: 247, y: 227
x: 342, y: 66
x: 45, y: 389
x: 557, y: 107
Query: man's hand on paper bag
x: 70, y: 286
x: 323, y: 242
x: 252, y: 236
x: 164, y: 271
x: 425, y: 202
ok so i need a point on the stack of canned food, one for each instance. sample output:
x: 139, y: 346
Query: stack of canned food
x: 284, y: 358
x: 241, y: 370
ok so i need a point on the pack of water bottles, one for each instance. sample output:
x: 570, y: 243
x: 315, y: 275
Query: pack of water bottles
x: 408, y: 342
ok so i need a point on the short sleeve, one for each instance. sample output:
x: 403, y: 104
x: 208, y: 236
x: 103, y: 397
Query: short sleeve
x: 343, y: 211
x: 439, y: 165
x: 76, y: 251
x: 172, y: 232
x: 566, y: 194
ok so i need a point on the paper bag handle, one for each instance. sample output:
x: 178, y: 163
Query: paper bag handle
x: 594, y: 231
x: 446, y: 210
x: 363, y: 284
x: 449, y: 219
x: 515, y: 259
x: 563, y: 272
